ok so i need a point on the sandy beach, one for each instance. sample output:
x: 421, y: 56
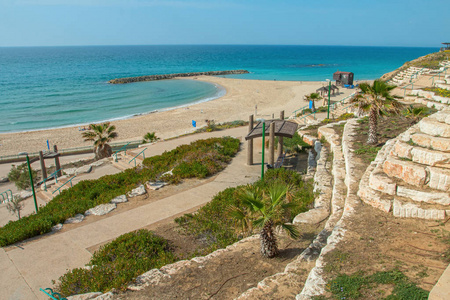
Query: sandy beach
x: 238, y: 103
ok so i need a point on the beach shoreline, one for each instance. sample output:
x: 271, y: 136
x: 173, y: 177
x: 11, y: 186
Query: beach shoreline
x: 241, y: 98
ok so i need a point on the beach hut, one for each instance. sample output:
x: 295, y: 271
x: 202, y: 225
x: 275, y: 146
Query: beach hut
x: 446, y: 47
x: 343, y: 78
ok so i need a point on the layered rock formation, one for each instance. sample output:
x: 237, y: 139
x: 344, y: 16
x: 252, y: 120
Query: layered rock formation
x: 411, y: 174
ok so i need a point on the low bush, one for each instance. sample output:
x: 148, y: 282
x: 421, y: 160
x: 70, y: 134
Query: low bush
x: 356, y: 286
x: 199, y: 159
x: 213, y: 224
x: 117, y: 263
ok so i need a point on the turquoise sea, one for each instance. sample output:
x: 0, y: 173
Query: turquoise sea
x: 48, y: 87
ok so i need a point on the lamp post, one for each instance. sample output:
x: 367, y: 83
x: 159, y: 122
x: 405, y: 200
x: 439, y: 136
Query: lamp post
x: 263, y: 146
x: 329, y: 95
x: 32, y: 184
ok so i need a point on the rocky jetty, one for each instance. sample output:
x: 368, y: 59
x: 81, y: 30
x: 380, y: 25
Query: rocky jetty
x: 170, y: 76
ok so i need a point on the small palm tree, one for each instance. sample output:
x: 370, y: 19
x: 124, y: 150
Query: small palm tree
x: 313, y: 97
x: 376, y: 100
x: 269, y: 210
x: 101, y: 134
x: 415, y: 113
x: 150, y: 137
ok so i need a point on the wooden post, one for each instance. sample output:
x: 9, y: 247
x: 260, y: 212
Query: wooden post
x: 272, y: 144
x: 250, y: 142
x: 57, y: 164
x: 42, y: 161
x: 280, y: 138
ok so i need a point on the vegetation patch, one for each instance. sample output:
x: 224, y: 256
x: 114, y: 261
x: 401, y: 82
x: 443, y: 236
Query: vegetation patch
x: 117, y: 263
x: 357, y: 286
x: 438, y: 91
x: 215, y: 224
x: 199, y: 159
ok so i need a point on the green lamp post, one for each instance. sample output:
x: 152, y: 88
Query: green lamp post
x: 263, y: 147
x: 329, y: 95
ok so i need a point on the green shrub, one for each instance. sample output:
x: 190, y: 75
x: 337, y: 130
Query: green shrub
x: 215, y: 227
x: 199, y: 159
x: 346, y: 116
x: 117, y: 263
x: 21, y: 176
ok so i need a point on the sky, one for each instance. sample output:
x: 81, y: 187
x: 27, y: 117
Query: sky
x: 421, y: 23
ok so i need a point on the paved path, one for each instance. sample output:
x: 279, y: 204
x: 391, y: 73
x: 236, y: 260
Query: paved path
x: 34, y: 265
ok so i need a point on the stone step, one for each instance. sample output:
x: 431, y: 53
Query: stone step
x: 435, y: 143
x: 421, y: 155
x: 407, y: 171
x: 433, y: 127
x: 404, y: 209
x: 423, y: 195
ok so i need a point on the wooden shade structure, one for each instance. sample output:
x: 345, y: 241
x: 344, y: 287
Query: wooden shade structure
x: 279, y: 127
x: 282, y: 128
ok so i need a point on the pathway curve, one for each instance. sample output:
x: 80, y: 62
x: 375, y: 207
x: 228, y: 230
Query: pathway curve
x: 35, y: 264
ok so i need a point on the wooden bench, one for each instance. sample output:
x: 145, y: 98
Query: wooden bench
x: 278, y: 163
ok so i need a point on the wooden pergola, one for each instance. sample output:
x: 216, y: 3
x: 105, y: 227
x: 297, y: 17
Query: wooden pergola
x: 273, y: 128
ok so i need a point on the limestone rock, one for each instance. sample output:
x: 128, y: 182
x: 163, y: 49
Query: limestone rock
x: 436, y: 143
x: 57, y: 227
x: 380, y: 182
x: 434, y: 127
x: 402, y: 150
x: 77, y: 219
x: 101, y: 209
x: 70, y: 171
x: 152, y: 277
x: 411, y: 210
x: 405, y: 170
x: 421, y: 196
x: 119, y: 199
x: 87, y: 296
x: 155, y: 185
x: 375, y: 198
x: 439, y: 178
x: 140, y: 190
x: 106, y: 296
x: 84, y: 169
x: 429, y: 157
x: 309, y: 139
x: 26, y: 194
x: 312, y: 216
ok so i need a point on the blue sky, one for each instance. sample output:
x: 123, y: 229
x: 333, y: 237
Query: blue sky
x: 294, y: 22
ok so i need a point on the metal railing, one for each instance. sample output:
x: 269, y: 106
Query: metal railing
x: 134, y: 158
x: 53, y: 295
x: 54, y: 174
x: 70, y: 150
x: 439, y: 73
x: 71, y: 185
x: 123, y: 148
x: 294, y: 113
x: 8, y: 198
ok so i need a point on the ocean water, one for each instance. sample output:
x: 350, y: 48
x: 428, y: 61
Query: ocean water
x: 48, y: 87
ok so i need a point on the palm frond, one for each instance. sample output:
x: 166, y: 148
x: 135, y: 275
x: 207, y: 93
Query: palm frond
x: 291, y: 230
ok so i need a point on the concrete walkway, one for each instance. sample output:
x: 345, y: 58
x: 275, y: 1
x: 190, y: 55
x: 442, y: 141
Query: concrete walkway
x: 34, y: 265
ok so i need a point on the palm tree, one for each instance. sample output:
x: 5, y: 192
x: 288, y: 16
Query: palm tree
x: 376, y: 100
x: 101, y: 134
x: 415, y: 113
x: 150, y: 137
x: 313, y: 97
x: 269, y: 210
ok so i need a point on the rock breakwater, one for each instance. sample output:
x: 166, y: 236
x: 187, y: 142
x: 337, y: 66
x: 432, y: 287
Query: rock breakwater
x: 170, y: 76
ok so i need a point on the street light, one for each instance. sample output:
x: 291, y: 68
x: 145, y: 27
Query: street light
x: 263, y: 146
x: 329, y: 95
x: 31, y: 180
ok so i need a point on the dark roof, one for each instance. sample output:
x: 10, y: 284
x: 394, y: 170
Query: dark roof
x: 282, y: 128
x: 340, y: 72
x: 325, y: 88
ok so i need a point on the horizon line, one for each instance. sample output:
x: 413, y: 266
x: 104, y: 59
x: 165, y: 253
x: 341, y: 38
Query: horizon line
x: 125, y: 45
